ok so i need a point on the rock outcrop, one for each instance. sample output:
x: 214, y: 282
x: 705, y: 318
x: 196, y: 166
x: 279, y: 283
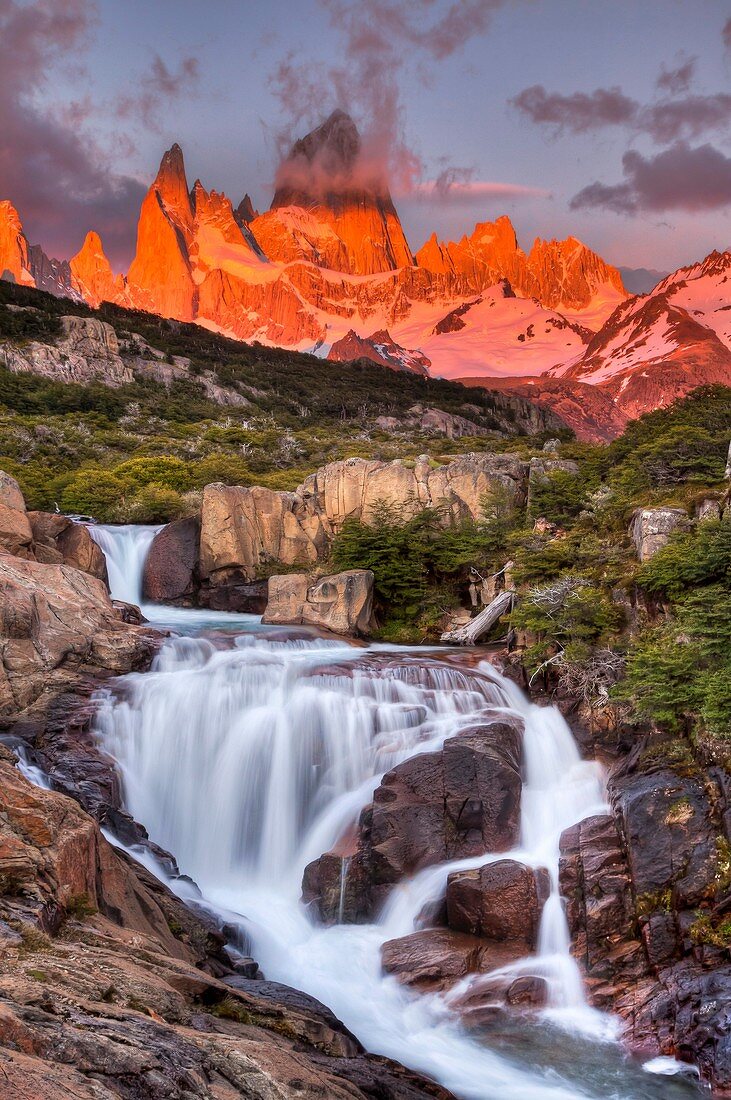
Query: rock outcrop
x: 651, y: 529
x: 86, y: 351
x: 56, y: 624
x: 461, y: 801
x: 16, y: 533
x: 14, y: 257
x: 647, y: 897
x: 341, y: 602
x: 171, y: 570
x: 57, y: 540
x: 157, y: 1008
x: 501, y: 901
x: 379, y: 348
x: 243, y: 530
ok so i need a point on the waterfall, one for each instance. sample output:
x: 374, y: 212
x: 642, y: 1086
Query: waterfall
x: 125, y: 548
x: 247, y: 757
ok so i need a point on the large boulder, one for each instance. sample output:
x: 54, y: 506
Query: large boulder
x: 459, y: 802
x: 16, y: 535
x: 501, y: 901
x: 342, y: 602
x: 170, y: 572
x: 57, y: 622
x: 57, y: 540
x: 651, y: 529
x: 243, y: 529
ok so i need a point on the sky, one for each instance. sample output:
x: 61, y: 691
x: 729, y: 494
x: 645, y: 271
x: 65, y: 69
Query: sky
x: 608, y: 120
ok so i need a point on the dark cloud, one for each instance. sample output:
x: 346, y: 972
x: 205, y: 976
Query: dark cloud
x: 677, y: 80
x: 50, y: 168
x: 666, y: 121
x: 380, y: 39
x: 688, y: 117
x: 157, y: 88
x: 579, y: 112
x: 726, y: 34
x: 679, y: 178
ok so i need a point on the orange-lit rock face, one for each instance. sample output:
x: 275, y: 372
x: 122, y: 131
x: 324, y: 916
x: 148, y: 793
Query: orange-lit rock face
x: 350, y: 222
x: 557, y: 273
x: 13, y: 246
x: 160, y: 278
x: 93, y: 276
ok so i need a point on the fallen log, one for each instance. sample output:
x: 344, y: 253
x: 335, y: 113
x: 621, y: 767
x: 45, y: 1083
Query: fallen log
x: 482, y: 624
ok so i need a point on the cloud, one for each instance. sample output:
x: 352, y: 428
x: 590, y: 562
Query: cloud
x: 677, y: 80
x: 726, y: 34
x: 685, y: 118
x: 158, y: 87
x: 380, y: 40
x: 679, y: 178
x: 578, y: 112
x: 53, y: 171
x: 666, y: 121
x: 460, y: 189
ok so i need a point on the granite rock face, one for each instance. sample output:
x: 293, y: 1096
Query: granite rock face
x: 341, y: 602
x: 651, y: 529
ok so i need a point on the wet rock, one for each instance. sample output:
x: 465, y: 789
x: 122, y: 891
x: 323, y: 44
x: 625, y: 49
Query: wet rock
x: 342, y: 602
x: 171, y: 568
x: 670, y: 827
x: 129, y: 996
x: 651, y: 529
x: 461, y: 801
x: 434, y: 958
x: 500, y: 901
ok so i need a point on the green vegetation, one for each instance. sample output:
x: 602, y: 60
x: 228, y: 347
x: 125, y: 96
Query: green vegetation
x: 653, y: 638
x: 99, y: 450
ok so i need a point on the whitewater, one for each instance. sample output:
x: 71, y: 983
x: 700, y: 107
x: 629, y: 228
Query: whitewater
x: 247, y: 753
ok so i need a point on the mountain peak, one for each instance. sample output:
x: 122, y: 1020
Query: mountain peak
x: 14, y: 256
x: 172, y: 186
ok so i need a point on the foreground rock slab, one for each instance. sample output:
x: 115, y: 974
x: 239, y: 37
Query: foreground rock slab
x: 112, y: 989
x: 341, y: 602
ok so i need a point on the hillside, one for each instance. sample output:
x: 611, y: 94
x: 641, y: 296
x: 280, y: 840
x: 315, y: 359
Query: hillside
x: 88, y: 392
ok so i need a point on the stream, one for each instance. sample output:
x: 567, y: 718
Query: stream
x: 247, y: 753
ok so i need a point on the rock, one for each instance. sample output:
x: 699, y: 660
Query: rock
x: 14, y: 258
x: 557, y: 273
x: 92, y: 274
x: 342, y: 602
x: 434, y: 958
x: 287, y: 598
x: 16, y: 534
x: 500, y: 901
x: 709, y: 508
x: 670, y: 827
x: 57, y: 540
x: 244, y: 528
x: 459, y: 802
x: 55, y: 623
x: 171, y: 568
x: 86, y: 351
x: 381, y: 349
x: 124, y: 998
x: 651, y: 529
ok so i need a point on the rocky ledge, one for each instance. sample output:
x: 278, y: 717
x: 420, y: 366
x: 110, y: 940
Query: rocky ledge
x: 111, y: 988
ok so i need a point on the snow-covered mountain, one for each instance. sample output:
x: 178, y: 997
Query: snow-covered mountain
x: 328, y: 268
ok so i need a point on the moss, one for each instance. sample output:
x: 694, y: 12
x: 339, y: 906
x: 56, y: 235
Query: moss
x: 231, y: 1009
x: 37, y: 975
x: 657, y: 901
x: 676, y: 754
x: 33, y: 939
x: 709, y: 932
x: 80, y: 907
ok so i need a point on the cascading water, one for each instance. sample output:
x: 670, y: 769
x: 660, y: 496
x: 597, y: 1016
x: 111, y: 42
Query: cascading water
x: 248, y: 761
x: 125, y: 549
